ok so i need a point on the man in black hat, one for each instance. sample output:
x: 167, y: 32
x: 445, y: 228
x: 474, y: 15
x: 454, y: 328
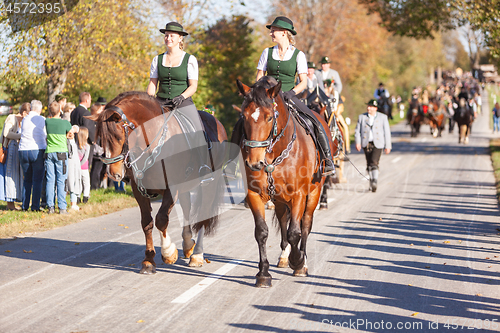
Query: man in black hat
x: 312, y: 79
x: 327, y: 73
x: 101, y: 101
x: 373, y: 134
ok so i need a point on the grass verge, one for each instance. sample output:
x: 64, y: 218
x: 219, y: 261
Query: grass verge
x: 103, y: 201
x: 495, y: 160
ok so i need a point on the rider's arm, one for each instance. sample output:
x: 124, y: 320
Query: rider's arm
x: 259, y: 75
x: 302, y: 85
x: 192, y: 77
x: 193, y: 85
x: 152, y: 87
x: 338, y: 82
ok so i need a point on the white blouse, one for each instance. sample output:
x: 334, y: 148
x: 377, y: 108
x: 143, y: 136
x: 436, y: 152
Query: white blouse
x: 301, y: 59
x: 192, y: 67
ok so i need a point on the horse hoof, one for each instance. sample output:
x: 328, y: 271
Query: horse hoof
x: 172, y: 259
x: 301, y: 272
x: 298, y: 266
x: 148, y: 268
x: 263, y: 282
x: 196, y: 260
x: 282, y: 263
x: 323, y: 206
x: 189, y: 252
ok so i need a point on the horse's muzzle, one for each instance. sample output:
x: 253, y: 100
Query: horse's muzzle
x: 255, y: 167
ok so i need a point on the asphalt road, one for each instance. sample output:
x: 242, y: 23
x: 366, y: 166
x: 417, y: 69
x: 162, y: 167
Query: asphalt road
x: 420, y: 253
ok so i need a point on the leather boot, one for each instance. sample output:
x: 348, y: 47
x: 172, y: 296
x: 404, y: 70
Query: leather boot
x: 325, y: 153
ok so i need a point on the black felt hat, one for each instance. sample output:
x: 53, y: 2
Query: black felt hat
x: 102, y: 101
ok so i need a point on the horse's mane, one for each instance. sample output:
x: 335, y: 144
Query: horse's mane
x: 106, y: 129
x: 258, y: 93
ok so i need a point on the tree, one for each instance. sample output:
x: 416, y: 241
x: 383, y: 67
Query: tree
x: 225, y: 53
x: 422, y: 18
x: 99, y: 44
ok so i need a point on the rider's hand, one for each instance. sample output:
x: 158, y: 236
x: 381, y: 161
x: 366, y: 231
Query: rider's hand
x: 289, y: 94
x: 176, y: 101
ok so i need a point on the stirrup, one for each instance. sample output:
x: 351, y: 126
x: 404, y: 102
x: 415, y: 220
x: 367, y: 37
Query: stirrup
x: 207, y: 177
x: 230, y: 170
x: 328, y: 171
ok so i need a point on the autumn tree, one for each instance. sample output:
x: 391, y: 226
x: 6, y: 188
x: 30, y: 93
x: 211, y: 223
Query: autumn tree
x: 102, y: 45
x: 225, y: 52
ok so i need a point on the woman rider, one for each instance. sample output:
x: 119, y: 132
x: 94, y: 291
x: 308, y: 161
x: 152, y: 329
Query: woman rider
x: 175, y: 74
x: 283, y: 62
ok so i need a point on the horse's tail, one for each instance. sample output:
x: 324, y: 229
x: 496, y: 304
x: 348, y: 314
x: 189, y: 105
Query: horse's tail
x: 213, y: 210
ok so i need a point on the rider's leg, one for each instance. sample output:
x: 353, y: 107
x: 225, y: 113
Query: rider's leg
x: 322, y: 135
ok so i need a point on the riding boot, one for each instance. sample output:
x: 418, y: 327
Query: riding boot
x: 205, y: 172
x: 325, y: 152
x: 234, y: 149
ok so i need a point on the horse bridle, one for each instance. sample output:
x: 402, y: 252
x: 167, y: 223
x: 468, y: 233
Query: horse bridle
x: 269, y: 143
x: 125, y: 149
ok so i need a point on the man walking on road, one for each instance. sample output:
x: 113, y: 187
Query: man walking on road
x: 373, y: 134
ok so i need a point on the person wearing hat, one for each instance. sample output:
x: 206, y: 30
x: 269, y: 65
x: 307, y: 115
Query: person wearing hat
x: 312, y: 80
x: 101, y: 101
x: 373, y: 134
x: 283, y: 62
x: 326, y: 73
x: 173, y: 79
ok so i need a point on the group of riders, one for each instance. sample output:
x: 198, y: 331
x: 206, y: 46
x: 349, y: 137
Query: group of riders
x: 454, y: 99
x: 174, y: 79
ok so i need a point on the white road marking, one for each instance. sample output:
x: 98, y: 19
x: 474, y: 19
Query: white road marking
x: 423, y: 140
x: 396, y: 159
x: 203, y: 284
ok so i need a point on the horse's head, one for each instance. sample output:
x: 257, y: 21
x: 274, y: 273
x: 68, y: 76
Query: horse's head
x: 260, y: 112
x: 111, y: 136
x: 115, y: 123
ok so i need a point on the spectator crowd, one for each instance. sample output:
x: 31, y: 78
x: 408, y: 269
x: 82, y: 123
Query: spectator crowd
x: 45, y: 158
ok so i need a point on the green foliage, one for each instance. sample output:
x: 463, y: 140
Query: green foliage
x: 225, y: 52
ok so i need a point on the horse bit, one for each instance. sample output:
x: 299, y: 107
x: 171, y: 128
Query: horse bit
x: 269, y: 143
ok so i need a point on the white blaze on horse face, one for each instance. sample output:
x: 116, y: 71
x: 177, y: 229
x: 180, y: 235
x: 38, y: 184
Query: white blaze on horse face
x: 256, y: 114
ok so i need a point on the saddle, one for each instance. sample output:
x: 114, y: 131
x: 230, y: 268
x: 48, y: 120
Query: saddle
x: 305, y: 121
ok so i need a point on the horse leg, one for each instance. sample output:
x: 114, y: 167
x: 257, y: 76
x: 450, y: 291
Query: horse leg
x: 297, y: 257
x: 282, y: 215
x: 187, y: 242
x: 323, y: 201
x: 261, y: 232
x: 169, y: 253
x: 148, y: 264
x: 197, y: 259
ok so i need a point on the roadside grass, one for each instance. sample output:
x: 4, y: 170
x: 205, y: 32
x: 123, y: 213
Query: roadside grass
x: 101, y: 202
x: 495, y: 160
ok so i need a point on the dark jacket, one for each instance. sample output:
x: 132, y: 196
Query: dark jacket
x: 77, y: 118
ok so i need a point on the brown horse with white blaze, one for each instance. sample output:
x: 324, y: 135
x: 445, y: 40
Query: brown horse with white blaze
x: 282, y: 165
x: 117, y: 127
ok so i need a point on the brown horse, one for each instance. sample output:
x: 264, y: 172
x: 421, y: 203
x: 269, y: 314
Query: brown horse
x: 415, y: 117
x: 281, y: 164
x: 135, y: 117
x: 437, y: 117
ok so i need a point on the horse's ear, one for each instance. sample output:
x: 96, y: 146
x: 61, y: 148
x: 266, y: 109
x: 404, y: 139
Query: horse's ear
x: 244, y: 89
x: 274, y: 91
x: 112, y: 116
x: 237, y: 108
